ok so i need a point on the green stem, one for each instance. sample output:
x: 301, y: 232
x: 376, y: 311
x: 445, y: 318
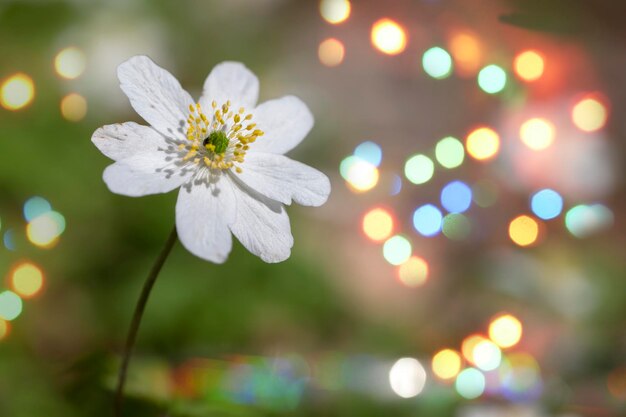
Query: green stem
x: 134, y: 326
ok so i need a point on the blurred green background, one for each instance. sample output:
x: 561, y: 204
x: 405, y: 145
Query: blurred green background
x: 323, y: 333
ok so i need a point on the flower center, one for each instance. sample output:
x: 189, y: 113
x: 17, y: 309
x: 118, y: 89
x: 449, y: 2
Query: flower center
x: 218, y: 140
x: 221, y: 140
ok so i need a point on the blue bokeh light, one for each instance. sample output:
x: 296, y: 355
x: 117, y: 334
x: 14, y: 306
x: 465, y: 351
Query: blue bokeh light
x: 546, y: 204
x: 427, y: 220
x: 396, y: 185
x: 456, y: 197
x: 370, y: 152
x: 35, y: 207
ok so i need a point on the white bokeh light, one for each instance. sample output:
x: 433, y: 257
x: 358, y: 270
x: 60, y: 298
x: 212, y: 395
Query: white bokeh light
x: 407, y: 377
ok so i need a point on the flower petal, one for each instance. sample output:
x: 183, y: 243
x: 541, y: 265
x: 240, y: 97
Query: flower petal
x: 155, y: 95
x: 261, y: 225
x: 231, y: 81
x: 283, y: 179
x: 203, y: 212
x: 285, y: 121
x: 123, y: 140
x: 146, y: 173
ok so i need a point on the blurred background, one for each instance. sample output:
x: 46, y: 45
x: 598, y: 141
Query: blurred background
x: 470, y: 261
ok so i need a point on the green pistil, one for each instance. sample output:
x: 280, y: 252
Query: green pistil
x: 219, y: 140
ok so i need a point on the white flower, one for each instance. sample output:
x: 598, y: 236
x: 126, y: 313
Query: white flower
x: 224, y: 152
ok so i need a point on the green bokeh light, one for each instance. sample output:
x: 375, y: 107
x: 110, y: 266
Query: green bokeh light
x: 397, y: 250
x: 492, y: 79
x: 450, y: 152
x: 419, y: 169
x: 10, y: 305
x: 437, y: 63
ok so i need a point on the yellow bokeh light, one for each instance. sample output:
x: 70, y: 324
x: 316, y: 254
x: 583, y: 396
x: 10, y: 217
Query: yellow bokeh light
x: 17, y: 92
x: 43, y: 231
x: 331, y: 52
x: 414, y: 272
x: 483, y: 143
x: 70, y: 63
x: 27, y: 280
x: 524, y: 230
x: 378, y: 224
x: 362, y: 176
x: 73, y: 107
x: 446, y: 364
x: 388, y: 37
x: 537, y: 133
x: 467, y: 52
x: 529, y: 65
x: 589, y: 115
x: 335, y: 11
x: 4, y: 328
x: 505, y: 331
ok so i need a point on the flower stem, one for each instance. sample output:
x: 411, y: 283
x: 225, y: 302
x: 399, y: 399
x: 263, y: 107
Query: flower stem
x: 139, y: 309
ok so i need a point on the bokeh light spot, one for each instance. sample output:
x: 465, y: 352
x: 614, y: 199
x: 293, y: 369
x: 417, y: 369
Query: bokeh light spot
x: 17, y: 92
x: 407, y: 377
x: 585, y: 220
x: 529, y: 65
x: 456, y: 197
x: 456, y: 226
x: 359, y: 174
x: 427, y: 220
x: 589, y: 114
x: 388, y: 36
x: 331, y: 52
x: 70, y: 63
x: 44, y: 230
x: 520, y: 377
x: 468, y: 345
x: 524, y: 230
x: 397, y: 250
x: 487, y: 355
x: 335, y: 11
x: 483, y: 143
x: 616, y: 381
x: 5, y: 327
x: 419, y: 169
x: 485, y: 193
x: 492, y: 79
x: 446, y: 364
x: 450, y: 152
x: 413, y: 272
x: 537, y: 133
x: 467, y: 52
x: 505, y: 331
x: 35, y: 207
x: 546, y: 204
x: 370, y: 152
x: 470, y: 383
x: 378, y: 224
x: 73, y: 107
x: 10, y: 305
x: 437, y: 63
x: 27, y: 280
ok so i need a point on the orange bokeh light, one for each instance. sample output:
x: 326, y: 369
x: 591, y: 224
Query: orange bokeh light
x: 467, y: 53
x: 331, y: 52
